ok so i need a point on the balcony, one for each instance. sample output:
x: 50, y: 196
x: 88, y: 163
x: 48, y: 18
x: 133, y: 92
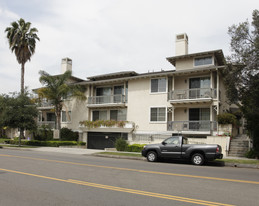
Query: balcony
x: 45, y: 105
x: 117, y: 100
x: 192, y: 95
x: 192, y: 127
x: 51, y: 124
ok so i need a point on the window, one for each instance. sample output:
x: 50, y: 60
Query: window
x: 158, y: 114
x: 66, y: 116
x: 158, y: 85
x: 99, y: 115
x: 51, y: 117
x: 118, y: 115
x: 203, y: 61
x: 199, y: 87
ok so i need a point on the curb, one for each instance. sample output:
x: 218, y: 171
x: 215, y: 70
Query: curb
x: 119, y: 157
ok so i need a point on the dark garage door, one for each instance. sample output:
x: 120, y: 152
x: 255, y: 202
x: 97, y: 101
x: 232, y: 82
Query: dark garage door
x: 100, y: 140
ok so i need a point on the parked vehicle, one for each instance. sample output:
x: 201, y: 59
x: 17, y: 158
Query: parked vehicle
x: 177, y: 147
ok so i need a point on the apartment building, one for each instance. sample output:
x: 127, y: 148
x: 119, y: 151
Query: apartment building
x: 154, y: 105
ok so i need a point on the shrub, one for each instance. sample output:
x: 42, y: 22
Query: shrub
x: 121, y: 144
x: 135, y: 148
x: 43, y: 133
x: 45, y: 143
x: 252, y: 154
x: 227, y: 118
x: 68, y: 135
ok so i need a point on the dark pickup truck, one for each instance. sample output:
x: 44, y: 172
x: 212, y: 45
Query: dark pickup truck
x: 177, y: 147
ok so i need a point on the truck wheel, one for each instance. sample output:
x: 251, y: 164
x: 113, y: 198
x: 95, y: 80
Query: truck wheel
x: 197, y: 159
x: 152, y: 156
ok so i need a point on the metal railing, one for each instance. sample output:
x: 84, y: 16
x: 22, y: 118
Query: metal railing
x: 192, y: 94
x: 45, y: 104
x: 51, y: 124
x: 192, y: 125
x: 118, y: 98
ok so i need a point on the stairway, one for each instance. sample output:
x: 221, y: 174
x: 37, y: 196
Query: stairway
x: 239, y: 146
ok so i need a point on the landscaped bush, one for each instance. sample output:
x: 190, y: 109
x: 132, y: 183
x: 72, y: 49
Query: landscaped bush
x: 121, y: 144
x: 135, y: 148
x: 68, y: 135
x: 43, y: 133
x: 252, y: 154
x: 227, y: 118
x: 46, y: 143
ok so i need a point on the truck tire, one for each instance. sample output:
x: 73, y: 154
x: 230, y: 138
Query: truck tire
x: 152, y: 156
x: 197, y: 159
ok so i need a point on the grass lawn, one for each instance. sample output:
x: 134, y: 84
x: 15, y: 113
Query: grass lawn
x: 121, y: 154
x: 22, y: 146
x: 238, y: 161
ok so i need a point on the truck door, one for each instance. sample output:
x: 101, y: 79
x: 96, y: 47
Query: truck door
x: 171, y: 147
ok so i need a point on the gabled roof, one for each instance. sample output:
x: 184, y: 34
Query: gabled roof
x: 217, y: 53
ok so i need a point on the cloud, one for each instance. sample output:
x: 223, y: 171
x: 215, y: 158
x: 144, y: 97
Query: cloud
x: 104, y: 36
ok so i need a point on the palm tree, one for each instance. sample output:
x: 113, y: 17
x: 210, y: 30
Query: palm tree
x: 56, y: 88
x: 22, y: 41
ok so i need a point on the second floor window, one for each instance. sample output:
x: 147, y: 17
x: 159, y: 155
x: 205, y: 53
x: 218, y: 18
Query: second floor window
x: 158, y: 85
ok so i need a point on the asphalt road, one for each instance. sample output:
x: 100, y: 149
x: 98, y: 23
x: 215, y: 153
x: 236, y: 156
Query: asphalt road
x: 38, y: 178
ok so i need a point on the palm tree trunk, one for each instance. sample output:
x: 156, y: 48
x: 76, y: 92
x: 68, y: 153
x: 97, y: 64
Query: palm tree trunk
x: 22, y: 79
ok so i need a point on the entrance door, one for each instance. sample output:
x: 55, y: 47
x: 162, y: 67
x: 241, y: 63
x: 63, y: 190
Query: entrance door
x: 199, y: 119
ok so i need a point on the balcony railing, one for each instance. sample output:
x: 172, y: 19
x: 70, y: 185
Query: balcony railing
x: 45, y: 104
x: 51, y: 124
x: 199, y: 126
x: 111, y: 99
x: 198, y: 93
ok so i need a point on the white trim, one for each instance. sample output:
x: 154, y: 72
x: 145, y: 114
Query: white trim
x: 66, y: 117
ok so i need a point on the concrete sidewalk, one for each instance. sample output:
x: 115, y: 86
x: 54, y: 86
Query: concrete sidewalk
x: 80, y: 151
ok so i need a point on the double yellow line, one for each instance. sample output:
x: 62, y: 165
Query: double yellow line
x: 121, y: 189
x: 136, y: 170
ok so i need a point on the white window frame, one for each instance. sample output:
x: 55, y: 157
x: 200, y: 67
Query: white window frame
x: 205, y: 65
x: 166, y: 85
x: 69, y: 113
x: 157, y: 122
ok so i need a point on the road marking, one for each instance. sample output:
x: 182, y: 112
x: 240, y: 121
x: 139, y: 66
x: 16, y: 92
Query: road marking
x: 136, y: 170
x: 121, y: 189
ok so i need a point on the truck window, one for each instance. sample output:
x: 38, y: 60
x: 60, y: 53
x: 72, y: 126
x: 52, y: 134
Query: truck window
x: 185, y: 141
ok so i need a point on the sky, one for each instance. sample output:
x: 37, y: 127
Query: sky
x: 106, y: 36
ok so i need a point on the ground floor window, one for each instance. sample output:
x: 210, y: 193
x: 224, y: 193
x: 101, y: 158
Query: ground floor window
x: 158, y: 114
x: 199, y: 118
x: 66, y: 116
x: 118, y: 115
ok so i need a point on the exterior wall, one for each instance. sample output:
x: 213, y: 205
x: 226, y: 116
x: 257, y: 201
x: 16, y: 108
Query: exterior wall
x: 140, y: 100
x: 79, y: 112
x: 180, y: 82
x: 182, y: 64
x: 223, y: 98
x: 180, y: 114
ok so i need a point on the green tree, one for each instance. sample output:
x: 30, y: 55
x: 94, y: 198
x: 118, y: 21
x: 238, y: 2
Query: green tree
x: 56, y: 88
x: 18, y: 111
x: 242, y: 73
x: 22, y: 41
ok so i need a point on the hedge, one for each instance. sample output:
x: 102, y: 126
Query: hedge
x: 45, y: 143
x: 135, y: 148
